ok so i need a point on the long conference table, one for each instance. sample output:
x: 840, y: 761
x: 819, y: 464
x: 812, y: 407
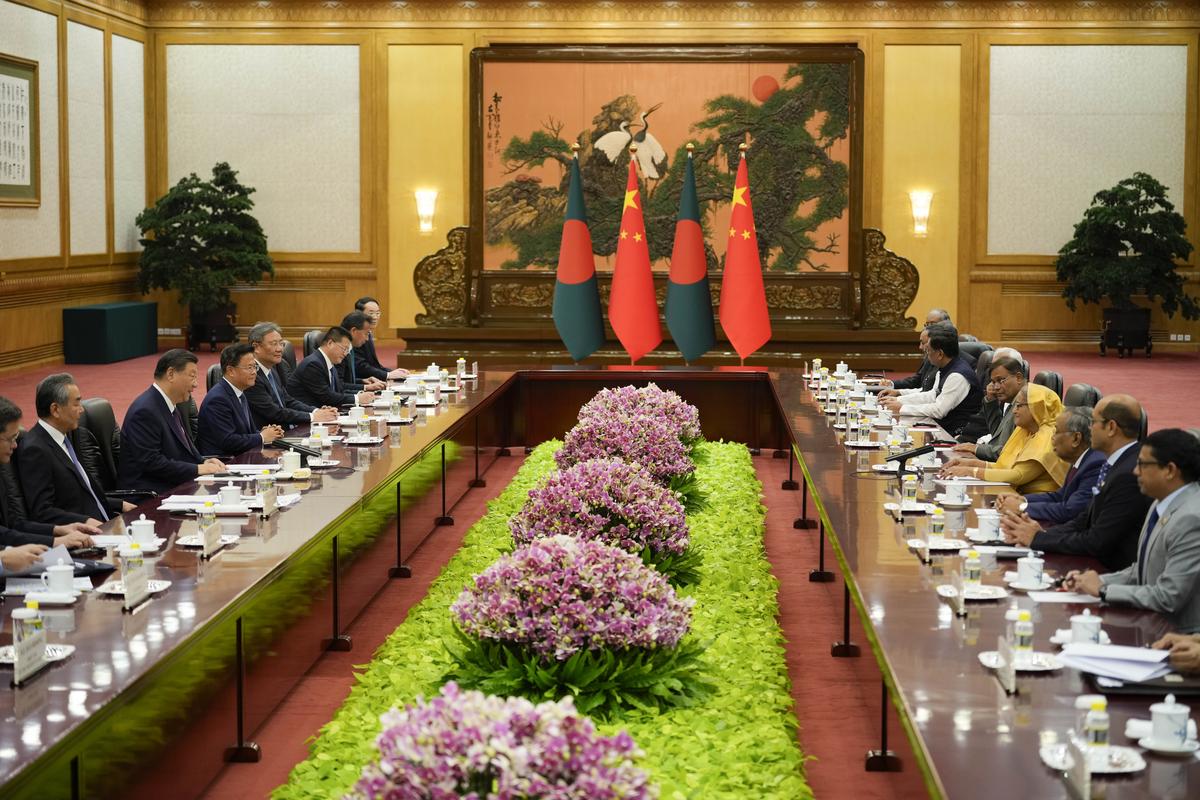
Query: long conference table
x: 153, y: 703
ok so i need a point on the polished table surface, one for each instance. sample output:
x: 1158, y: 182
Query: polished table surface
x: 978, y: 741
x: 116, y: 650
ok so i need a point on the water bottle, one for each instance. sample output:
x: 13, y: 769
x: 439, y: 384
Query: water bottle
x: 208, y: 514
x: 972, y: 569
x: 397, y: 407
x: 1023, y: 633
x: 1096, y: 724
x: 937, y: 526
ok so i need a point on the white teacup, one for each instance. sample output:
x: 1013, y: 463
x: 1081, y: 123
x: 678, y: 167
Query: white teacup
x: 289, y: 461
x: 59, y: 578
x: 989, y: 522
x: 230, y: 494
x: 956, y: 492
x: 387, y: 395
x: 318, y: 431
x: 356, y: 412
x: 1169, y: 722
x: 1029, y: 573
x: 1085, y: 627
x: 142, y: 530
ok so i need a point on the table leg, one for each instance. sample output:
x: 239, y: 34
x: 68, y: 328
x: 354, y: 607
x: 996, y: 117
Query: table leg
x: 802, y: 522
x: 790, y: 484
x: 477, y: 482
x: 883, y: 759
x: 401, y: 570
x: 845, y: 648
x: 243, y: 752
x: 339, y: 641
x: 820, y: 574
x: 445, y: 518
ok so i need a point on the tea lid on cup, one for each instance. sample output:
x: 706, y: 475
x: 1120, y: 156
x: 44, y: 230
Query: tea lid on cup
x: 1085, y: 616
x: 1168, y: 706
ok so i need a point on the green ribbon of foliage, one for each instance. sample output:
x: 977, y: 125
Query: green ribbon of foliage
x: 739, y: 742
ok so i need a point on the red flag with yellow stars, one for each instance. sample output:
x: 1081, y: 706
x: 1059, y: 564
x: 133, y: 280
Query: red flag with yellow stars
x: 744, y: 316
x: 632, y: 308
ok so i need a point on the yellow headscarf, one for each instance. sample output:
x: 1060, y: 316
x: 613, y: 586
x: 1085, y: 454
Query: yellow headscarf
x: 1022, y: 445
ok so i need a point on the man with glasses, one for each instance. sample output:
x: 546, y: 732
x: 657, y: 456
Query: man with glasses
x: 922, y: 380
x: 226, y: 425
x: 955, y: 395
x: 1165, y: 573
x: 1072, y: 443
x: 1007, y: 381
x: 270, y: 401
x: 1107, y: 529
x: 316, y: 381
x: 357, y: 376
x: 365, y: 355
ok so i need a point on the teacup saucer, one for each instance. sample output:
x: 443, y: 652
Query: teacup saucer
x: 1044, y: 584
x: 944, y: 501
x: 1062, y: 636
x: 1158, y: 748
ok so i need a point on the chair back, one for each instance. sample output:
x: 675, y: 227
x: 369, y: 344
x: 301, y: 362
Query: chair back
x: 10, y: 484
x: 983, y: 366
x: 1082, y: 394
x: 289, y: 355
x: 212, y: 376
x: 98, y: 420
x: 312, y: 340
x: 1051, y: 380
x: 966, y: 337
x: 972, y: 350
x: 1145, y: 426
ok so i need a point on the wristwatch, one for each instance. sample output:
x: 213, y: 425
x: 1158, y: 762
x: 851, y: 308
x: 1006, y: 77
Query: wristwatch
x: 1103, y: 593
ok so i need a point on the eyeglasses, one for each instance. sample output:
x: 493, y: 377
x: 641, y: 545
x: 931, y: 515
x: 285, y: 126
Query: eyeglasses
x: 11, y: 439
x: 1000, y: 381
x: 247, y: 368
x: 1020, y: 405
x: 1142, y: 463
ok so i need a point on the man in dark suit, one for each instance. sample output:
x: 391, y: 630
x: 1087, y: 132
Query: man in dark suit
x: 270, y: 401
x: 56, y: 485
x: 922, y: 380
x: 156, y: 451
x: 1073, y: 444
x: 365, y: 353
x: 1107, y: 529
x: 16, y: 532
x: 995, y: 418
x: 355, y: 375
x: 226, y: 425
x: 316, y: 380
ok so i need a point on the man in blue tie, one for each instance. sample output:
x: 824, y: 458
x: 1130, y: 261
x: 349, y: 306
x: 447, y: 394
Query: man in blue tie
x: 355, y: 374
x: 56, y: 485
x: 1166, y: 575
x: 226, y: 426
x: 316, y: 380
x: 270, y: 401
x: 365, y: 353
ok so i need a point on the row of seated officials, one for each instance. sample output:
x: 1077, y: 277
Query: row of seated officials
x: 1090, y: 481
x: 59, y: 481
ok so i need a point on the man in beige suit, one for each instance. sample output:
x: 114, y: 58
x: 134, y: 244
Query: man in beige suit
x: 1165, y: 577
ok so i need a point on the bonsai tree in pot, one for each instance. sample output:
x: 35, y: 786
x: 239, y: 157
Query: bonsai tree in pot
x: 200, y: 238
x: 1129, y: 242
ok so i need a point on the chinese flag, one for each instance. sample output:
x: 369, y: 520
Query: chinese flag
x: 632, y: 308
x: 743, y: 301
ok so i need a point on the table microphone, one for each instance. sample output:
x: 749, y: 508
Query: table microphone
x: 906, y: 455
x: 304, y: 451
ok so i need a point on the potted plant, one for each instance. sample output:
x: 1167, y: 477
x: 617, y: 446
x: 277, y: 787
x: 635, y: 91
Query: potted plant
x: 1129, y: 242
x: 200, y: 238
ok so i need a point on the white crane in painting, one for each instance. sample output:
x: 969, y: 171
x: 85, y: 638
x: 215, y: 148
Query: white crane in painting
x: 650, y: 154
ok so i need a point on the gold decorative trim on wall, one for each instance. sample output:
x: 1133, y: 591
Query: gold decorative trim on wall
x: 974, y: 13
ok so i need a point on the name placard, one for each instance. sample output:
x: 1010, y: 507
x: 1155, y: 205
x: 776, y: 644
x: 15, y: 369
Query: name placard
x: 29, y: 650
x: 1006, y: 673
x: 136, y: 579
x: 960, y: 602
x: 1078, y: 776
x: 210, y: 539
x: 270, y: 498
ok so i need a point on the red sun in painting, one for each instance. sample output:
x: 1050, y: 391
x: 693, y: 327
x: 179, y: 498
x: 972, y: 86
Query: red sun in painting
x: 764, y: 86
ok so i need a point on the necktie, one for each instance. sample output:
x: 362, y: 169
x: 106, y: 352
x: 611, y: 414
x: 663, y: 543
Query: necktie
x: 333, y: 378
x: 350, y: 358
x: 1100, y: 478
x: 1071, y: 473
x: 246, y: 412
x: 86, y: 481
x: 177, y: 423
x: 274, y: 386
x: 1150, y: 523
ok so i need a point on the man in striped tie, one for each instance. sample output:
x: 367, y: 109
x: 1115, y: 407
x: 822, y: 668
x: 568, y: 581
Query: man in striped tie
x: 226, y: 426
x: 270, y: 401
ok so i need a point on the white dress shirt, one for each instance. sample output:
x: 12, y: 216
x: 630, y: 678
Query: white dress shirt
x: 933, y: 405
x: 170, y: 402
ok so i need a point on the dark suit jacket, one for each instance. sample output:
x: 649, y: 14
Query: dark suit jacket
x: 923, y: 379
x: 1108, y: 528
x: 366, y: 362
x: 310, y: 384
x: 54, y: 490
x: 1065, y: 504
x: 154, y: 455
x: 269, y: 408
x: 350, y: 384
x: 15, y: 530
x: 225, y: 429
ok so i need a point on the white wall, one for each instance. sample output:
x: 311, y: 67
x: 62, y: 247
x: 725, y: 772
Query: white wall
x: 129, y: 140
x: 1068, y: 121
x: 286, y: 117
x: 87, y: 176
x: 33, y: 35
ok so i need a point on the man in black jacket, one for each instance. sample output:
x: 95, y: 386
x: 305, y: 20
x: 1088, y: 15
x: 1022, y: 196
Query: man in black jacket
x: 15, y: 530
x: 270, y: 401
x: 358, y: 377
x: 365, y: 353
x: 57, y: 487
x: 317, y: 381
x: 1108, y: 528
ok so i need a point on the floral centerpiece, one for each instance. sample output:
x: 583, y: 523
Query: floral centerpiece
x: 575, y: 616
x: 620, y: 504
x: 468, y: 745
x: 647, y: 426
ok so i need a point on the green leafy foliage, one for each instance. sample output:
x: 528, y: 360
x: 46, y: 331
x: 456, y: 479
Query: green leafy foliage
x: 681, y: 569
x: 738, y: 742
x: 603, y: 682
x: 201, y: 239
x: 1129, y: 242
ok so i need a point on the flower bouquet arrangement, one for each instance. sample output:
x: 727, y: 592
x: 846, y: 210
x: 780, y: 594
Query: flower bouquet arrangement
x: 620, y: 504
x: 472, y: 746
x: 649, y: 427
x: 562, y: 616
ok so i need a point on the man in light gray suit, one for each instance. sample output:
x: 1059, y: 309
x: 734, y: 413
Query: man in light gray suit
x: 1166, y: 575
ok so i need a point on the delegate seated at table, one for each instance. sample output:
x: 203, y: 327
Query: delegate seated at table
x: 226, y: 425
x: 956, y: 394
x: 1028, y: 462
x: 316, y: 380
x: 1007, y: 379
x: 1072, y: 443
x: 1165, y: 576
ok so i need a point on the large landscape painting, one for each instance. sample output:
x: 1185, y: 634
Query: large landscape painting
x: 794, y: 113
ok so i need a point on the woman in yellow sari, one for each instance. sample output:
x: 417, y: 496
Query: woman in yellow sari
x: 1027, y: 462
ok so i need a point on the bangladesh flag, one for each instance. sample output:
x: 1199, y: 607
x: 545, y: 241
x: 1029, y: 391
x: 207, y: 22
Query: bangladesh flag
x: 689, y: 309
x: 577, y: 314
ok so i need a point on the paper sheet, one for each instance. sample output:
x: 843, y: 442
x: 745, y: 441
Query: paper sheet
x: 1062, y: 597
x: 18, y: 587
x: 1130, y: 671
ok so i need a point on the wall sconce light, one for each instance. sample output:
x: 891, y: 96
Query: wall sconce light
x: 921, y: 200
x: 426, y: 203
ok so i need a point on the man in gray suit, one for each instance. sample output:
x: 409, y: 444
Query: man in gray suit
x: 1165, y: 577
